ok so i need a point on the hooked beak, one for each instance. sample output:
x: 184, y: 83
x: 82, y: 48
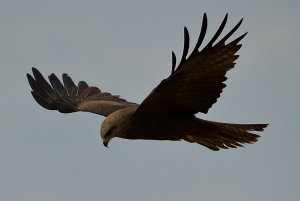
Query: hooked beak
x: 105, y: 143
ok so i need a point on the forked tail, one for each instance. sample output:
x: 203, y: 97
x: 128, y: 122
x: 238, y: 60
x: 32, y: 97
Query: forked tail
x: 224, y: 135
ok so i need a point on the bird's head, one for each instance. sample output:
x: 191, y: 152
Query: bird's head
x: 115, y: 125
x: 107, y: 133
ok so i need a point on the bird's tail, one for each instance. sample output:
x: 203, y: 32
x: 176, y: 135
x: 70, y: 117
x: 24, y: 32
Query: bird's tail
x: 225, y: 135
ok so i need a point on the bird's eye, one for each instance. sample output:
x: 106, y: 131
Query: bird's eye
x: 109, y: 132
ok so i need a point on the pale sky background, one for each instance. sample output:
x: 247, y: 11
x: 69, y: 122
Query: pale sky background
x: 124, y: 47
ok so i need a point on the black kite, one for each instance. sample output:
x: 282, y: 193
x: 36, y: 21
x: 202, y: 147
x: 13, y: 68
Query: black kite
x: 168, y: 113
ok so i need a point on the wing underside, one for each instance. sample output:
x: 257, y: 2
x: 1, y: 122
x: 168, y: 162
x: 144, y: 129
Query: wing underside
x: 67, y: 97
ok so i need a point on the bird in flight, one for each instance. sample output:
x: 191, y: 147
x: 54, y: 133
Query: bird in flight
x: 168, y: 113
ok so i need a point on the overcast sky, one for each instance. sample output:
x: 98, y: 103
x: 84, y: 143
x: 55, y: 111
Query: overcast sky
x: 124, y: 47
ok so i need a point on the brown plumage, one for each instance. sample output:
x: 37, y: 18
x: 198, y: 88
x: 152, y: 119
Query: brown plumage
x: 168, y: 113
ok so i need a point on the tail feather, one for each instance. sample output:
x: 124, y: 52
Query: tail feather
x: 223, y: 135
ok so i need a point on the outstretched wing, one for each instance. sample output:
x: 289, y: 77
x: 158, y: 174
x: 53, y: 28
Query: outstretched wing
x: 68, y: 97
x: 196, y: 84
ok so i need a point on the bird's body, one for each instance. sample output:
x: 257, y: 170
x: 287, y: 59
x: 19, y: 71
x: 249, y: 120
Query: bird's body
x: 125, y: 124
x: 168, y: 113
x: 164, y: 127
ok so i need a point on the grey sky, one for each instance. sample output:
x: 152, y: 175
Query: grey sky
x: 125, y: 48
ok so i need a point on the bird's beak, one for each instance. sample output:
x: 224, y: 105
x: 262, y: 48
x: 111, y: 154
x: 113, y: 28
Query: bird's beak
x: 105, y: 143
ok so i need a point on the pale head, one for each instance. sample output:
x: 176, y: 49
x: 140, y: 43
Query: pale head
x: 114, y: 125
